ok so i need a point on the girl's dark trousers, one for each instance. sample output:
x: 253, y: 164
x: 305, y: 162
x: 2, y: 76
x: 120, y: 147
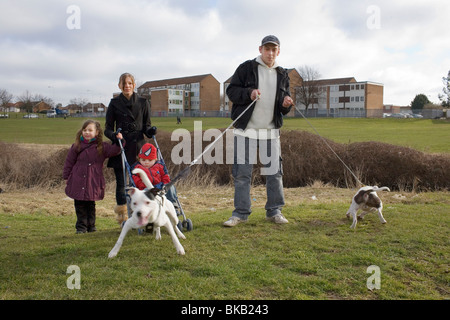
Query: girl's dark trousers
x: 85, y: 211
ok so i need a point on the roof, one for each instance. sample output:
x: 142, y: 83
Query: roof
x: 335, y: 81
x: 175, y: 81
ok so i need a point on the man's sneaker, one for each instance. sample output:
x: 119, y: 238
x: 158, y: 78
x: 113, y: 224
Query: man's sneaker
x: 278, y: 218
x: 233, y: 221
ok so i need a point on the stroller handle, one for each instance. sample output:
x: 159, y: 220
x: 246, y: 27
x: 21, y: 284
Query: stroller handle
x: 115, y: 134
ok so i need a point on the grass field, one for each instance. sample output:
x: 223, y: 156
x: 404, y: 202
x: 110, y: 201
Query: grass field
x: 424, y: 135
x: 315, y: 256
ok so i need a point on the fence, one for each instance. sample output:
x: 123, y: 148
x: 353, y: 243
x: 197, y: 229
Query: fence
x: 321, y: 113
x: 310, y: 113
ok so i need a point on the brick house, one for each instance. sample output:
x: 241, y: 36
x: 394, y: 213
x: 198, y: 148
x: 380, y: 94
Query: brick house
x: 31, y: 106
x: 194, y: 95
x: 87, y: 108
x: 95, y: 107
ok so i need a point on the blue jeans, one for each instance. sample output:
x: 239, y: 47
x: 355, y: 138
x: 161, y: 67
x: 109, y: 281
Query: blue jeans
x: 171, y: 195
x: 245, y: 153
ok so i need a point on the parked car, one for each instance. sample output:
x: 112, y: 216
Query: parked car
x: 399, y: 115
x: 30, y: 116
x: 51, y: 114
x: 416, y: 115
x: 4, y: 115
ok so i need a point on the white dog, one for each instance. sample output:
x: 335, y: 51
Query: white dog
x: 150, y: 207
x: 366, y: 199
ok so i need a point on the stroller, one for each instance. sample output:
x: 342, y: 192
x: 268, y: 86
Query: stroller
x: 128, y: 178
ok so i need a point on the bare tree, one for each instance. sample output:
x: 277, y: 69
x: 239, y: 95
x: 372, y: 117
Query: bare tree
x: 308, y: 93
x: 79, y: 102
x: 47, y: 100
x: 5, y: 98
x: 28, y: 101
x: 445, y: 97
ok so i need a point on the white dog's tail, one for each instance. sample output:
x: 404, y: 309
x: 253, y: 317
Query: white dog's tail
x: 381, y: 189
x: 144, y: 177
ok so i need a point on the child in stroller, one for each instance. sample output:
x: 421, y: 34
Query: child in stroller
x: 155, y: 171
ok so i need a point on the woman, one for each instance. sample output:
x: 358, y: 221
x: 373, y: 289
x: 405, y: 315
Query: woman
x: 131, y: 113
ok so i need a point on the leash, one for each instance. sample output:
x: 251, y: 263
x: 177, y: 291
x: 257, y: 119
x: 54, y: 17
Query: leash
x: 325, y: 141
x: 185, y: 171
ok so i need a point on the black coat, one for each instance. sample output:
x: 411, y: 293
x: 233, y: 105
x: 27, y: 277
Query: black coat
x: 244, y: 81
x: 133, y: 117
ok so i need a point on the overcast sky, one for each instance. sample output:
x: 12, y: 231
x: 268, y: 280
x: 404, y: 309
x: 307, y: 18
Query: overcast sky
x: 78, y: 48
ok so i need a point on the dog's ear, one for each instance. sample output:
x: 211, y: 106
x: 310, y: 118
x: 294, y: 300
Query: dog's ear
x: 150, y: 194
x: 155, y: 191
x: 132, y: 190
x: 362, y: 195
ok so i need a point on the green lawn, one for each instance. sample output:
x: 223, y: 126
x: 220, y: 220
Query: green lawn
x: 425, y: 135
x: 315, y: 256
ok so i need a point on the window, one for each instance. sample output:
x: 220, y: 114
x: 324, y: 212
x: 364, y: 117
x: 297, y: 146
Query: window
x: 334, y: 88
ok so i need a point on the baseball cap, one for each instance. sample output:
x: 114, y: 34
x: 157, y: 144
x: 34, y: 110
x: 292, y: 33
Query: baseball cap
x: 270, y: 39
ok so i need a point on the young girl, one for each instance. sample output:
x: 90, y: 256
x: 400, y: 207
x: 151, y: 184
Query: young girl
x: 83, y: 171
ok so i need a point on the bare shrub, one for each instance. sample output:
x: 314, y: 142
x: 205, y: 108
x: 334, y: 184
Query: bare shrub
x: 25, y: 168
x: 306, y: 160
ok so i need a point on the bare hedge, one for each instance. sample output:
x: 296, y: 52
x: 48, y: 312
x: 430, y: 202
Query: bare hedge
x: 306, y: 158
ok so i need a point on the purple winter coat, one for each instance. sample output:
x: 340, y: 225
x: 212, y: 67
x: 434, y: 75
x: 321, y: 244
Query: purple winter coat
x: 83, y: 171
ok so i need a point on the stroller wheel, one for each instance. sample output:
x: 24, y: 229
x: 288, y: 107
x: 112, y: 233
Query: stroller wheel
x: 187, y: 224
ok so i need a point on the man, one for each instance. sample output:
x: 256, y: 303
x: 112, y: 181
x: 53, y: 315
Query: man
x: 263, y: 80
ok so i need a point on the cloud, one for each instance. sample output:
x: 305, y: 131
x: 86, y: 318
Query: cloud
x: 407, y: 52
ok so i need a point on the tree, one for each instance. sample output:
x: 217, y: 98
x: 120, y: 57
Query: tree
x: 27, y: 100
x: 308, y: 93
x: 445, y: 98
x: 5, y: 98
x: 419, y: 102
x: 79, y: 102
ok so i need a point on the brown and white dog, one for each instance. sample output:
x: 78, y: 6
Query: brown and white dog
x: 150, y: 207
x: 367, y: 200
